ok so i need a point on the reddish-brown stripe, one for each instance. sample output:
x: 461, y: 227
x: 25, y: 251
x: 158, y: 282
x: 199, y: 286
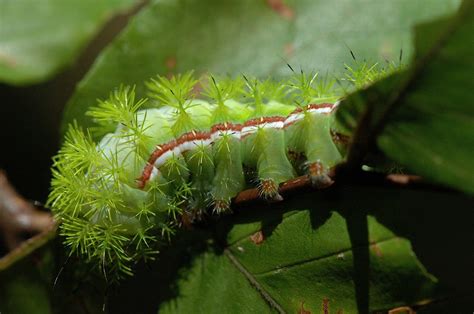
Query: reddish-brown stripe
x: 226, y: 126
x: 192, y: 136
x: 196, y: 135
x: 319, y: 106
x: 313, y: 106
x: 145, y: 176
x: 262, y: 120
x: 160, y: 150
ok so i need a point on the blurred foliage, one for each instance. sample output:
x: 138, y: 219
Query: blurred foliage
x: 39, y: 38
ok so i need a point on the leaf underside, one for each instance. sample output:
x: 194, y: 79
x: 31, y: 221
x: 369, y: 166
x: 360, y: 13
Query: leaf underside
x: 423, y: 119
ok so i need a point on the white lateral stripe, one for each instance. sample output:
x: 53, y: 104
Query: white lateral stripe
x: 177, y: 150
x: 249, y: 130
x: 320, y: 110
x: 292, y: 118
x: 187, y: 146
x: 274, y: 125
x: 163, y: 158
x: 154, y: 173
x: 236, y: 134
x: 203, y: 142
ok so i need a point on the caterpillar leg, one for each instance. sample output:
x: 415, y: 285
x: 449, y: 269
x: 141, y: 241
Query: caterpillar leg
x: 200, y: 163
x: 266, y: 151
x: 268, y: 189
x: 320, y: 150
x: 311, y: 136
x: 229, y: 175
x: 176, y: 172
x: 319, y: 175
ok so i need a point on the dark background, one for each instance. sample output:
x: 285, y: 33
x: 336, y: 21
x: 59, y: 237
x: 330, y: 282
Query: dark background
x: 30, y: 118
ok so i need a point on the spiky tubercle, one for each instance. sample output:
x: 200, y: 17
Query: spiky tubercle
x: 118, y: 199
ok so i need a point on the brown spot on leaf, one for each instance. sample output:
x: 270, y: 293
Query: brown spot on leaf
x: 326, y: 306
x: 170, y: 63
x: 377, y: 250
x: 302, y: 310
x: 402, y: 309
x: 289, y: 50
x: 257, y: 237
x: 7, y: 60
x: 281, y: 8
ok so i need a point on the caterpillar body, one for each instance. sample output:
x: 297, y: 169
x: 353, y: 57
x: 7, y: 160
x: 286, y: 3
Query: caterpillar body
x: 180, y: 154
x: 261, y: 143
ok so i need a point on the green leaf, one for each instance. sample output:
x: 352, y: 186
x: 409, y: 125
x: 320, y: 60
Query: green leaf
x: 39, y: 38
x: 423, y: 119
x: 348, y: 248
x: 298, y: 266
x: 251, y: 37
x: 219, y: 286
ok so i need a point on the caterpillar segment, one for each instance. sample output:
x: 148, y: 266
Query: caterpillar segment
x: 310, y: 135
x: 211, y: 163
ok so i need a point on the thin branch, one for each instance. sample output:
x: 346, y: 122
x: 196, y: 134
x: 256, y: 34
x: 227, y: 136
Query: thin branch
x: 342, y: 175
x: 19, y: 217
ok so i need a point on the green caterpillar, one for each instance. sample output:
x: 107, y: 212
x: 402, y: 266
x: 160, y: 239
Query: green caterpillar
x: 188, y: 152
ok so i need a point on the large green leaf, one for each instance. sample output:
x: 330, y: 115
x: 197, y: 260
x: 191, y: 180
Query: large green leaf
x: 424, y: 118
x: 251, y: 37
x: 348, y: 247
x: 38, y: 38
x: 298, y: 267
